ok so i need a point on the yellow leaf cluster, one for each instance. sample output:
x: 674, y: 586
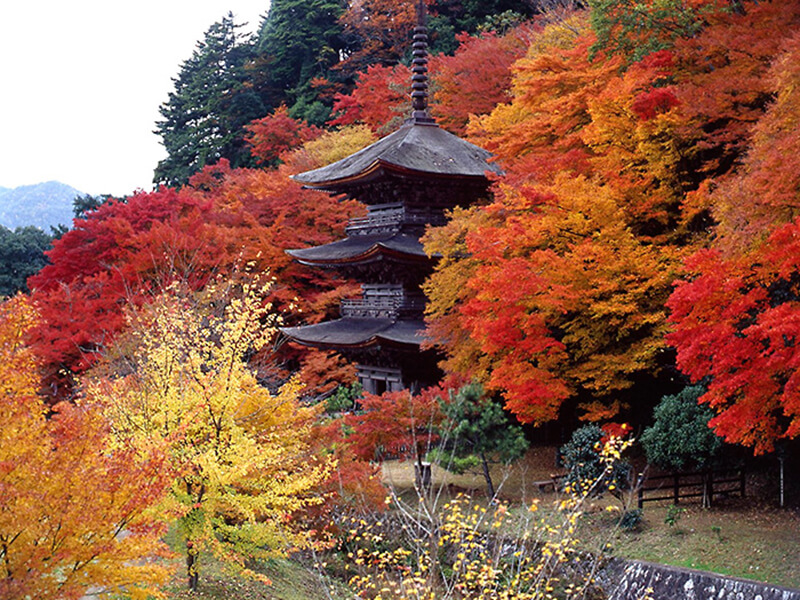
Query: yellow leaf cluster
x: 239, y: 454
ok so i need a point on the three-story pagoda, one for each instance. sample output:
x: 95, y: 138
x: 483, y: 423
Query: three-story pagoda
x: 408, y: 180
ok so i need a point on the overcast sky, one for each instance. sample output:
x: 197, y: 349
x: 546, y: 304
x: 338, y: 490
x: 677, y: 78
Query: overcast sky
x: 81, y: 82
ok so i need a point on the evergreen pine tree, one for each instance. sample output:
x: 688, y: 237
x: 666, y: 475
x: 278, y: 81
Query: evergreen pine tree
x: 301, y: 40
x: 204, y: 117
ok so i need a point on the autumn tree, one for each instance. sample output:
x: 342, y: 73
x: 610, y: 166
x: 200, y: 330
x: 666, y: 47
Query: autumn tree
x: 380, y: 99
x: 394, y: 424
x: 559, y: 296
x: 120, y: 253
x: 731, y: 74
x: 272, y: 136
x: 735, y: 323
x: 476, y: 78
x: 127, y: 252
x: 724, y: 87
x: 73, y: 509
x: 734, y: 312
x: 239, y: 455
x: 604, y: 161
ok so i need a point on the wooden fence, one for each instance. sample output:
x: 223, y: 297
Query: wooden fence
x: 700, y: 484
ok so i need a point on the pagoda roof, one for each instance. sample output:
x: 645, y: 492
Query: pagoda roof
x: 352, y: 332
x: 361, y: 249
x: 421, y: 149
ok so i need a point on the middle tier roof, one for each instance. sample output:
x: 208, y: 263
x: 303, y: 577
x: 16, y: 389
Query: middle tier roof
x: 364, y: 249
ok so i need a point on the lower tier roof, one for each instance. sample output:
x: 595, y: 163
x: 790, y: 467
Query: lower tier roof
x: 352, y: 332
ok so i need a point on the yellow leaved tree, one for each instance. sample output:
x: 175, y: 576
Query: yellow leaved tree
x: 239, y: 454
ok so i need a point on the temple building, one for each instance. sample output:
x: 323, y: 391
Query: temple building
x: 408, y: 180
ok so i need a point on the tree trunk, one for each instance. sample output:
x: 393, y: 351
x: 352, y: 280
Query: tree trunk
x: 191, y: 566
x: 487, y: 476
x: 422, y: 476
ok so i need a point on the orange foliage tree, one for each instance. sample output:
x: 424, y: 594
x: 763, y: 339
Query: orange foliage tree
x: 476, y: 78
x: 276, y: 134
x: 735, y: 315
x: 396, y: 425
x: 557, y: 284
x: 556, y: 289
x: 73, y: 512
x: 380, y: 99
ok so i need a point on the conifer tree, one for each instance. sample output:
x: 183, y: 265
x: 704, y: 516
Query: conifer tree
x: 301, y: 40
x: 204, y: 117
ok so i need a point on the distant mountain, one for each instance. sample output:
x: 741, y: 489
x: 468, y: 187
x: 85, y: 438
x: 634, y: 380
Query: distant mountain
x: 43, y: 205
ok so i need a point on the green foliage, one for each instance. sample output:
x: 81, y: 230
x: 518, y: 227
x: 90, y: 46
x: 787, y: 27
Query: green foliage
x: 21, y: 255
x: 474, y: 15
x: 680, y: 438
x: 85, y: 203
x: 674, y: 513
x: 631, y: 519
x: 343, y: 398
x: 502, y: 22
x: 586, y: 467
x: 203, y: 118
x: 475, y: 428
x: 636, y: 29
x: 301, y: 40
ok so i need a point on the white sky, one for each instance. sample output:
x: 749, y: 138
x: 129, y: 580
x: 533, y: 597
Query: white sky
x: 81, y: 82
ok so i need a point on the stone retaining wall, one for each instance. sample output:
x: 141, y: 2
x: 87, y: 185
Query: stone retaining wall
x: 639, y: 580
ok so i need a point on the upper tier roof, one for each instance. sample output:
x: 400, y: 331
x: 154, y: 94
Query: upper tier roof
x: 416, y: 149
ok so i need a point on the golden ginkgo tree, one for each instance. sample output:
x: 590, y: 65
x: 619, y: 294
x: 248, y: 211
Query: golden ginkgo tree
x: 239, y: 454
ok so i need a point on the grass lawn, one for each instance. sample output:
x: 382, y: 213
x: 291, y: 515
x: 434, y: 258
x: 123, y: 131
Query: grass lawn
x: 738, y: 537
x: 290, y: 581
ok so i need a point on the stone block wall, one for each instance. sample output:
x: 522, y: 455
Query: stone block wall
x: 639, y: 580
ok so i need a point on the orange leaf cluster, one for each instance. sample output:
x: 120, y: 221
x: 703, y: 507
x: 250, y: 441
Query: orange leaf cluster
x: 72, y: 511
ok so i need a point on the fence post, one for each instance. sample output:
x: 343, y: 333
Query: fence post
x: 708, y: 488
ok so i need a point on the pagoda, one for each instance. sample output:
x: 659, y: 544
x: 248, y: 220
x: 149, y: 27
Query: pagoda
x: 408, y: 180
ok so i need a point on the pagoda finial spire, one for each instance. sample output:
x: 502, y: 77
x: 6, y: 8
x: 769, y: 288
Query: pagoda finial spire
x: 419, y: 68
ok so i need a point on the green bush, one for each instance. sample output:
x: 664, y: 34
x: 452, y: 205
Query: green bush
x: 476, y: 430
x: 585, y: 467
x: 631, y: 519
x: 343, y: 398
x: 680, y: 438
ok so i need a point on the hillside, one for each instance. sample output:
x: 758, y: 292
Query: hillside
x: 43, y: 205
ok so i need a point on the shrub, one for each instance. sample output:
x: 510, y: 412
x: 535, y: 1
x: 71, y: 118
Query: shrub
x: 680, y: 438
x: 587, y: 469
